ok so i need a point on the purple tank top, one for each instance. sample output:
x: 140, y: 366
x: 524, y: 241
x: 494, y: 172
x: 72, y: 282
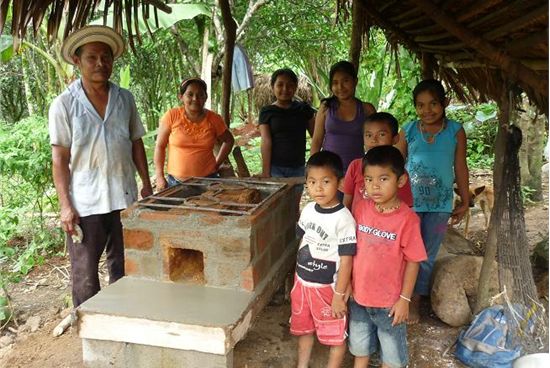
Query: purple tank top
x: 345, y: 138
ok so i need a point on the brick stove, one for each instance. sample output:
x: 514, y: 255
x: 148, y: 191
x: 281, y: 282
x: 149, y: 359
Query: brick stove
x: 202, y: 260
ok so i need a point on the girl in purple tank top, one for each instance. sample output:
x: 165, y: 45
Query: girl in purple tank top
x: 339, y: 121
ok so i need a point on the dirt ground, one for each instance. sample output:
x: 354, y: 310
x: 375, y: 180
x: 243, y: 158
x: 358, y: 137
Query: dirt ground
x: 43, y: 294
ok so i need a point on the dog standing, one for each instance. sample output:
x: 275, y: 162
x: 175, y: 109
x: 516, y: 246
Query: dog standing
x: 484, y: 196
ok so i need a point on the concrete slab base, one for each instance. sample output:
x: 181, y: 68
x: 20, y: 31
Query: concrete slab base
x: 113, y: 354
x: 137, y: 323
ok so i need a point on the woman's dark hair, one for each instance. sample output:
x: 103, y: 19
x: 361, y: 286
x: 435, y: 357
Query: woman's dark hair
x: 433, y: 86
x: 385, y: 156
x: 326, y: 159
x: 285, y: 71
x: 342, y: 66
x: 187, y: 82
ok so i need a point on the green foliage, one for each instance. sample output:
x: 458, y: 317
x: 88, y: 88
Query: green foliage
x: 26, y: 196
x: 5, y: 310
x: 527, y: 194
x: 157, y: 69
x: 6, y: 48
x: 12, y: 93
x: 302, y: 35
x: 480, y: 124
x: 25, y: 155
x: 165, y: 20
x: 398, y: 90
x: 124, y: 77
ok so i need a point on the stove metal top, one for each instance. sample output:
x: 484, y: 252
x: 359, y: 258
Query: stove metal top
x: 228, y: 196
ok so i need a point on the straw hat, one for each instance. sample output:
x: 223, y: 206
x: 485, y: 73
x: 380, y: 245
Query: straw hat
x: 89, y: 34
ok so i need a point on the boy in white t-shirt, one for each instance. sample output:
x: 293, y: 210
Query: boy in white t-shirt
x: 324, y: 261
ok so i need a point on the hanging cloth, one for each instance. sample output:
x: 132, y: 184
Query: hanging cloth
x: 241, y: 76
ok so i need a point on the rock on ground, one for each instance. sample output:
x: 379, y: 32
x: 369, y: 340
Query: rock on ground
x: 455, y: 288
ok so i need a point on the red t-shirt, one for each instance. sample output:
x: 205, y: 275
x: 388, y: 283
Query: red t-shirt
x: 385, y: 243
x: 354, y: 185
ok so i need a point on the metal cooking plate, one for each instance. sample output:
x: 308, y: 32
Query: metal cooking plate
x: 229, y: 196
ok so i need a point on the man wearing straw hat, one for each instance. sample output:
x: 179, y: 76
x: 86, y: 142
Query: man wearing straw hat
x: 95, y: 133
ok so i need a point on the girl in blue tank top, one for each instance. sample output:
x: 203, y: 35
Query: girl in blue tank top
x: 339, y: 121
x: 435, y: 149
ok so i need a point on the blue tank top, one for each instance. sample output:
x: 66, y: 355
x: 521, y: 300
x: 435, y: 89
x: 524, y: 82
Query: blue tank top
x: 345, y: 138
x: 431, y: 167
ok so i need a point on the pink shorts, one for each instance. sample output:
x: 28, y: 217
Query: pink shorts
x: 312, y: 312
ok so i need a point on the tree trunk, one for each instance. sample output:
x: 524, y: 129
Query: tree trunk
x: 26, y: 86
x: 530, y: 153
x: 206, y: 70
x: 230, y: 29
x: 251, y: 116
x: 356, y: 33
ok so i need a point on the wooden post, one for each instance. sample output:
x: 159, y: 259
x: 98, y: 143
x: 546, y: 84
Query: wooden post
x: 428, y: 63
x: 496, y: 215
x: 242, y: 168
x: 230, y: 30
x: 357, y: 28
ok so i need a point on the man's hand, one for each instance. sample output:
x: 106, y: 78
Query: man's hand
x: 400, y: 312
x: 146, y: 190
x: 69, y: 217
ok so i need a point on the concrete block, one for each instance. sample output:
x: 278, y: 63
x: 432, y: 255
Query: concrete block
x: 150, y: 266
x: 114, y: 354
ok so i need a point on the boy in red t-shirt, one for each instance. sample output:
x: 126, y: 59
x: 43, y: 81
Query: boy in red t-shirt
x: 389, y: 250
x: 379, y: 129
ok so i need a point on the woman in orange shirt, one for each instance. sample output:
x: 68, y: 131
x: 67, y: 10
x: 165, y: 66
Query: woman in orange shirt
x: 190, y: 132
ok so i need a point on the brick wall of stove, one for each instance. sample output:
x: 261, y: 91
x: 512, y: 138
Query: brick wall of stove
x: 206, y: 247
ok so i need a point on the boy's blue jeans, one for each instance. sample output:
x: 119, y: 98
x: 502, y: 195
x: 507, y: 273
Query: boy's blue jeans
x: 433, y: 226
x: 371, y: 329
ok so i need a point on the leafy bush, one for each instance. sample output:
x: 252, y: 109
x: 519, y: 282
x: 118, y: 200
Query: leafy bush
x: 27, y: 196
x: 481, y: 124
x: 527, y: 194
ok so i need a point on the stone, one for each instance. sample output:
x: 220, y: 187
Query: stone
x: 6, y: 340
x: 455, y: 243
x: 33, y: 323
x: 454, y: 288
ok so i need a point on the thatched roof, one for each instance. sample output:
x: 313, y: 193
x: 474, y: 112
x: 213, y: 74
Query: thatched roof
x: 474, y: 45
x: 73, y: 14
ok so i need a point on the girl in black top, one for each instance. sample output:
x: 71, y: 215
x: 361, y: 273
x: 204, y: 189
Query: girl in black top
x: 283, y: 126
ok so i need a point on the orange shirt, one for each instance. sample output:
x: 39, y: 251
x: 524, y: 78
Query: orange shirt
x: 190, y: 145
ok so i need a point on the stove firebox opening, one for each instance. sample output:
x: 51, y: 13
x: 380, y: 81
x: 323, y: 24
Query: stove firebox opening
x: 185, y: 265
